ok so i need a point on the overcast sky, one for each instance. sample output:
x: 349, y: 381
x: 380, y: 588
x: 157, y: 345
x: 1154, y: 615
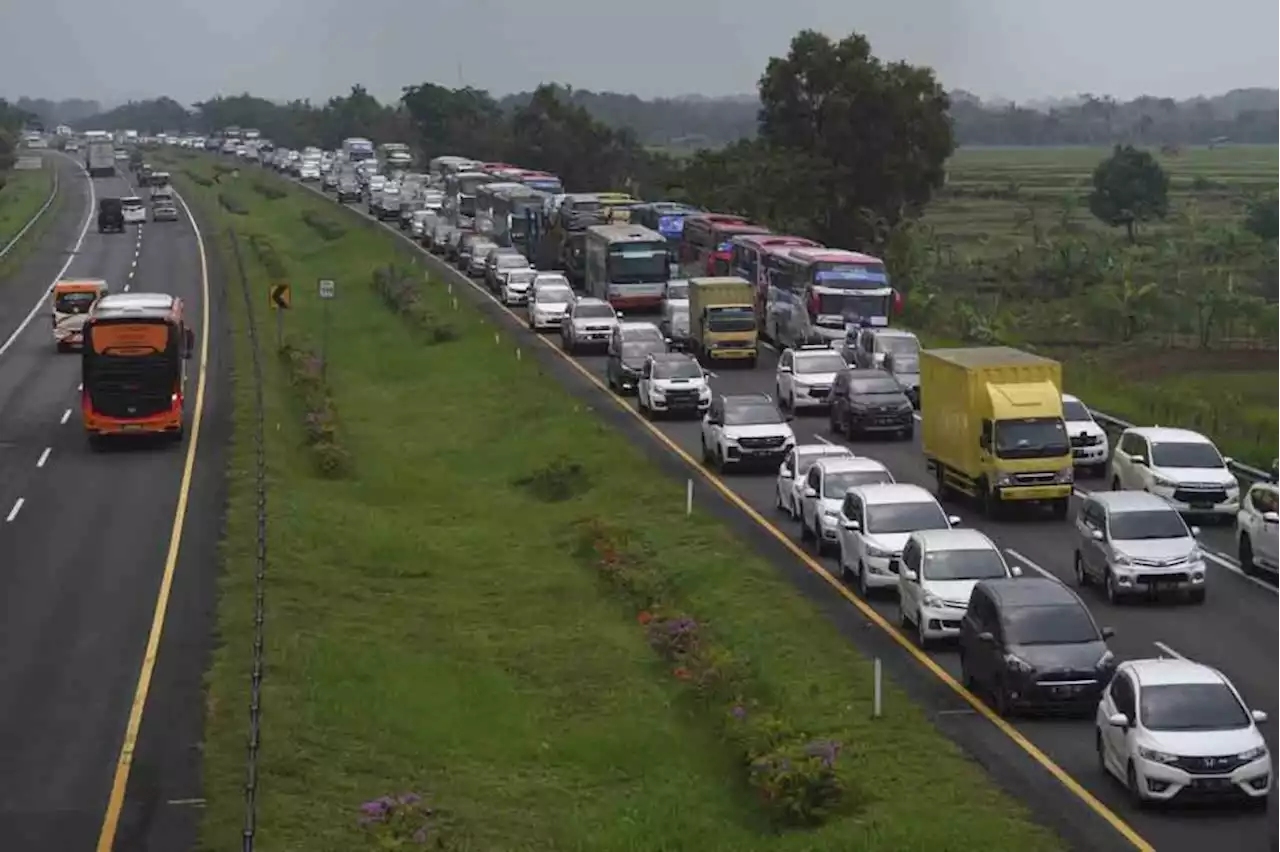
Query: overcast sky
x: 1018, y: 49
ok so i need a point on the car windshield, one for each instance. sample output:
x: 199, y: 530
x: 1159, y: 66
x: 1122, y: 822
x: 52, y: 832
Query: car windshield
x: 874, y: 387
x: 677, y: 370
x: 1154, y: 523
x: 1074, y: 411
x: 634, y: 350
x: 1185, y: 454
x: 544, y: 280
x: 898, y: 345
x: 1059, y: 624
x: 555, y: 295
x: 1191, y: 707
x: 751, y: 414
x: 834, y: 484
x: 804, y: 461
x: 479, y: 249
x: 909, y: 363
x: 983, y: 564
x: 520, y: 276
x: 677, y: 291
x: 885, y: 518
x: 643, y: 333
x: 131, y: 203
x: 824, y: 363
x: 512, y: 261
x: 1031, y: 438
x: 75, y: 303
x: 594, y: 312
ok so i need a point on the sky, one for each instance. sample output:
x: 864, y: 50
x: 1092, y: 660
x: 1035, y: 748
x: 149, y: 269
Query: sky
x: 1023, y: 50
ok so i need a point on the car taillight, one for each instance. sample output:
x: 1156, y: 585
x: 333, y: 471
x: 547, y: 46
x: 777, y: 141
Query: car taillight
x: 897, y: 302
x: 814, y: 304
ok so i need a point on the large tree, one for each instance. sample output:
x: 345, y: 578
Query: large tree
x: 1129, y: 187
x: 880, y: 131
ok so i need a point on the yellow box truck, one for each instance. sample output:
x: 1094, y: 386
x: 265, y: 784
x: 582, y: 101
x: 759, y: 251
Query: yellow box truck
x: 992, y: 426
x: 722, y: 320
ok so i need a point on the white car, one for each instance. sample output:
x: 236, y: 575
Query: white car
x: 1090, y: 448
x: 1182, y: 467
x: 875, y: 523
x: 1256, y: 528
x: 309, y: 170
x: 515, y: 286
x: 1179, y: 730
x: 938, y: 573
x: 825, y: 485
x: 672, y: 383
x: 805, y: 375
x: 792, y: 471
x: 135, y: 211
x: 590, y: 322
x: 744, y: 429
x: 549, y: 301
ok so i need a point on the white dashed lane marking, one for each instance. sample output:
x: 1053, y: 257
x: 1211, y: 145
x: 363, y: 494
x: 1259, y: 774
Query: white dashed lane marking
x: 44, y: 457
x: 66, y: 415
x: 13, y: 513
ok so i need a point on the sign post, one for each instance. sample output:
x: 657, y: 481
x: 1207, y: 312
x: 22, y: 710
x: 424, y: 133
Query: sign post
x: 328, y: 290
x: 281, y: 299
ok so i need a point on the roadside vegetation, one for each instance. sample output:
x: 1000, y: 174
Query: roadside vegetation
x: 499, y: 617
x: 22, y: 193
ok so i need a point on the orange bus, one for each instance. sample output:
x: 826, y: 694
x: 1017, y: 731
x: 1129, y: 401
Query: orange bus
x: 134, y: 366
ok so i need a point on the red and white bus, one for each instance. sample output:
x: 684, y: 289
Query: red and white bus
x: 816, y: 294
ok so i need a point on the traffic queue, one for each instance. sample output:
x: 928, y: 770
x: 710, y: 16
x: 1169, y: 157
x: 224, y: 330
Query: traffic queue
x: 672, y: 294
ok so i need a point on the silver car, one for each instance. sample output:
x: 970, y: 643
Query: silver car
x: 475, y: 257
x: 589, y: 322
x: 1134, y: 544
x: 515, y: 286
x: 164, y: 213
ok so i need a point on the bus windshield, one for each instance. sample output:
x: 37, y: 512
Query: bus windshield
x: 637, y: 263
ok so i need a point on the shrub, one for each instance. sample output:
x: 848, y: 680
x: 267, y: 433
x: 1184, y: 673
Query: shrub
x: 327, y: 229
x: 267, y: 191
x: 796, y: 775
x: 232, y: 204
x: 399, y: 289
x: 404, y: 821
x: 268, y: 256
x: 556, y: 482
x: 320, y: 418
x: 197, y: 178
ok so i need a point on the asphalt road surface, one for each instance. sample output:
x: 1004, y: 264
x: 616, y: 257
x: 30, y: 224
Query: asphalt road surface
x: 84, y: 541
x: 1235, y: 630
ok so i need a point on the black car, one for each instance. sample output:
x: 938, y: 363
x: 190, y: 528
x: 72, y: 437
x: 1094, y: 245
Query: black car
x: 348, y: 191
x: 866, y: 401
x: 1030, y: 643
x: 110, y: 215
x: 626, y: 360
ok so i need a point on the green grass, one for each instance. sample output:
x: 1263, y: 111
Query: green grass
x: 23, y: 193
x: 428, y: 629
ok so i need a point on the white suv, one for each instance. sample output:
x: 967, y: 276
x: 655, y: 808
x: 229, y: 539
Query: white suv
x: 1090, y: 448
x: 824, y: 487
x: 745, y: 429
x: 672, y: 383
x: 805, y: 375
x: 791, y: 473
x: 875, y: 522
x: 1256, y: 528
x: 939, y: 570
x: 1182, y: 467
x: 589, y: 322
x: 1168, y: 726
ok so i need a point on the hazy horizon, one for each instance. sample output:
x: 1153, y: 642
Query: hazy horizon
x: 997, y: 49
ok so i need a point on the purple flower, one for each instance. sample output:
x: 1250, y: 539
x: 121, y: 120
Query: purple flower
x: 420, y: 836
x: 825, y: 750
x: 410, y: 799
x: 739, y: 712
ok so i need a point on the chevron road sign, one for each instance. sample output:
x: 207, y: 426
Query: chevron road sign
x: 281, y: 297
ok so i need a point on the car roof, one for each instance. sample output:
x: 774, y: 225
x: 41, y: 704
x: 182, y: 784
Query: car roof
x: 1066, y: 397
x: 682, y: 357
x: 893, y: 492
x: 837, y: 463
x: 636, y: 325
x: 1158, y: 672
x: 870, y: 374
x: 746, y: 398
x: 960, y: 538
x: 822, y: 450
x: 892, y: 332
x: 590, y: 301
x: 1030, y: 591
x: 1167, y: 433
x: 1130, y: 501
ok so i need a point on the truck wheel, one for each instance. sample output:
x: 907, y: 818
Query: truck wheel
x: 1061, y: 507
x: 990, y: 503
x: 751, y: 362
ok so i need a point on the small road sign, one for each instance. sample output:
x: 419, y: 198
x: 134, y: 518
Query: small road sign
x: 281, y: 297
x: 327, y: 289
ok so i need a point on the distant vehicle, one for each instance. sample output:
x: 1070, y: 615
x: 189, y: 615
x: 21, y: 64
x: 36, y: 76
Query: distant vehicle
x: 135, y: 212
x: 110, y: 215
x: 1181, y: 466
x: 873, y: 525
x: 549, y: 302
x: 791, y: 473
x: 72, y: 300
x: 805, y: 376
x: 936, y: 579
x: 1256, y: 528
x: 164, y: 211
x: 100, y: 158
x: 742, y: 430
x: 869, y: 401
x: 590, y: 322
x: 672, y: 383
x: 1090, y: 448
x: 826, y: 483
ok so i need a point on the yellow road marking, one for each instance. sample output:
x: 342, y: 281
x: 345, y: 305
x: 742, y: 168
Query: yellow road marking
x: 124, y: 763
x: 1072, y: 785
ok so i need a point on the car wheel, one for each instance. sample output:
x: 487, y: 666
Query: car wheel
x: 1246, y: 556
x: 1113, y: 589
x: 1115, y: 483
x: 1099, y: 749
x: 1135, y: 792
x: 863, y: 589
x: 1082, y: 578
x: 804, y: 529
x: 922, y: 639
x: 1000, y: 699
x: 903, y: 621
x: 846, y: 574
x: 1197, y: 596
x: 966, y: 677
x: 721, y: 465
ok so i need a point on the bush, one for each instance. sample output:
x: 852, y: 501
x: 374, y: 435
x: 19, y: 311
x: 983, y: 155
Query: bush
x: 197, y: 178
x: 398, y: 288
x: 232, y: 204
x: 327, y: 229
x: 267, y: 191
x: 320, y: 418
x: 268, y: 256
x: 797, y: 776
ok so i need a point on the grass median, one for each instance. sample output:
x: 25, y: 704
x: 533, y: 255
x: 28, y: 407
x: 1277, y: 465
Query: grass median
x: 22, y: 194
x: 430, y: 627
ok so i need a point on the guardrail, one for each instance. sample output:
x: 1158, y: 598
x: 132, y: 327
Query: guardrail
x: 1247, y: 474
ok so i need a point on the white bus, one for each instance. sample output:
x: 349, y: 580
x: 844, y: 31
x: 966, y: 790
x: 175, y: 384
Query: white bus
x: 626, y: 265
x: 357, y: 149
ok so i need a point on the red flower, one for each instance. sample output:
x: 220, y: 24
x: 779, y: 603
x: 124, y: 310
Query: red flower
x: 682, y: 673
x: 644, y: 617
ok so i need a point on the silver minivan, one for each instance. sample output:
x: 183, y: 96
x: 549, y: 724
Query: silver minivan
x: 1134, y: 544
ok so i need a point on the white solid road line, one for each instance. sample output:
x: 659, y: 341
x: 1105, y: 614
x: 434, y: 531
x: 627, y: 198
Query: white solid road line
x: 42, y: 303
x: 1165, y: 649
x: 1033, y: 566
x: 66, y: 415
x: 13, y: 513
x: 44, y: 457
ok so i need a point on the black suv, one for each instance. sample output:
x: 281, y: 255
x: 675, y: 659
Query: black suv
x: 1029, y: 643
x: 626, y: 359
x: 864, y: 401
x: 110, y: 215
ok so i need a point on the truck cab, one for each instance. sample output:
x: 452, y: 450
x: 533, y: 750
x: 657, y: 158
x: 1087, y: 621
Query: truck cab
x: 722, y: 320
x: 993, y: 429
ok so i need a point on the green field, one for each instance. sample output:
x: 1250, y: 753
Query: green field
x: 433, y: 627
x: 1009, y: 252
x: 22, y: 193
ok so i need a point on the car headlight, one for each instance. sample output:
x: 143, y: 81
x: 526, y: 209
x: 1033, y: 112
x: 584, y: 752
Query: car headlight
x: 1155, y: 756
x: 1196, y: 555
x: 1004, y: 479
x: 1233, y: 488
x: 1161, y: 482
x: 1252, y: 754
x: 658, y: 393
x: 880, y: 553
x: 932, y: 601
x: 1104, y: 660
x: 1120, y: 559
x: 830, y: 514
x: 704, y: 392
x: 1067, y: 475
x: 1017, y: 664
x: 730, y: 439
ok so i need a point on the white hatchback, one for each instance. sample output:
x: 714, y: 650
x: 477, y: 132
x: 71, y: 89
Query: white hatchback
x: 135, y: 211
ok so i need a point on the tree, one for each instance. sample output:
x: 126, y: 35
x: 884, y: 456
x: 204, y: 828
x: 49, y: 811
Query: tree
x: 1261, y: 218
x: 880, y: 131
x: 1129, y: 187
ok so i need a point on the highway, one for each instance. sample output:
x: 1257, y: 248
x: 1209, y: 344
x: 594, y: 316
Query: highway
x: 86, y: 542
x: 1234, y: 630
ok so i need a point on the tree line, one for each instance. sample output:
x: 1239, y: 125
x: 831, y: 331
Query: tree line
x: 12, y: 121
